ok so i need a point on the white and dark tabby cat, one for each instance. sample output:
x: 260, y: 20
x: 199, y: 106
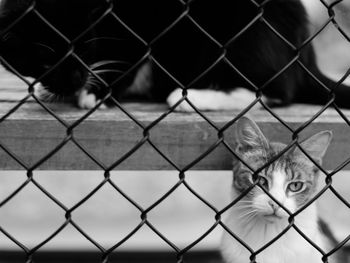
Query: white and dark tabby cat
x: 292, y: 181
x: 109, y: 49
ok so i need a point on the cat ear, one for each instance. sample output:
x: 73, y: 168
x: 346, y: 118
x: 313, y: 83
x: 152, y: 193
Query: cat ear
x: 316, y: 146
x: 248, y: 135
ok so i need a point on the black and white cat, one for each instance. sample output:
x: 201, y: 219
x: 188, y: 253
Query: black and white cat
x: 292, y: 180
x: 130, y: 35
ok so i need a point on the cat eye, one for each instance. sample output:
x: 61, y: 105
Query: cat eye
x: 295, y: 186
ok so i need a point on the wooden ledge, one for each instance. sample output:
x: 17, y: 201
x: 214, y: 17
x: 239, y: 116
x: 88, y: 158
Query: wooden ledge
x: 31, y: 133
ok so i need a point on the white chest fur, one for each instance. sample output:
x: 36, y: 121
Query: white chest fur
x: 289, y: 248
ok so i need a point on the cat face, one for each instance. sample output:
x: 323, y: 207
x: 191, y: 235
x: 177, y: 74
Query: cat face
x: 291, y: 179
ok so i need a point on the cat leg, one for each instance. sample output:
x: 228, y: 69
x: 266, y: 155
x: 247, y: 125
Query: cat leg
x: 212, y: 100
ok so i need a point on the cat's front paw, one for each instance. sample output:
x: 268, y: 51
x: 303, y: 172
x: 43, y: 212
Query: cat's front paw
x: 174, y: 97
x: 212, y: 100
x: 86, y: 100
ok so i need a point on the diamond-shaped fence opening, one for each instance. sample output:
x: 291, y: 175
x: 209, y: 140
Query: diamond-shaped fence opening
x: 142, y: 136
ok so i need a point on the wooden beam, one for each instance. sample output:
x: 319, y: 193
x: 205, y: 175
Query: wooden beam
x: 31, y: 133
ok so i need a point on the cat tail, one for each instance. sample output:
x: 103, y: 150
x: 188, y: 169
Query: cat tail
x: 316, y: 93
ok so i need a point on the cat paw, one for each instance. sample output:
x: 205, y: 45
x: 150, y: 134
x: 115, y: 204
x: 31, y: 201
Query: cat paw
x: 211, y: 99
x: 86, y: 100
x: 40, y: 91
x: 175, y: 96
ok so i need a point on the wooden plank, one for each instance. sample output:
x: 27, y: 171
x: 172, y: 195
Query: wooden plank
x: 30, y: 133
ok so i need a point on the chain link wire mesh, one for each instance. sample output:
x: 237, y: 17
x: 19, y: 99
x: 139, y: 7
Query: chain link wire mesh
x: 147, y: 131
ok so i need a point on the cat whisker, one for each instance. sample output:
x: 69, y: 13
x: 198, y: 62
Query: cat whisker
x: 250, y: 225
x: 90, y: 85
x: 51, y: 97
x: 93, y: 81
x: 243, y: 206
x: 250, y: 213
x: 45, y: 46
x: 107, y: 62
x: 102, y: 38
x: 250, y: 218
x: 102, y: 71
x: 250, y: 210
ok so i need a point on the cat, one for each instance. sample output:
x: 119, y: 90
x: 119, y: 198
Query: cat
x: 112, y: 48
x: 292, y: 181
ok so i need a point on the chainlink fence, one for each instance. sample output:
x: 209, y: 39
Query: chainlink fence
x: 147, y: 131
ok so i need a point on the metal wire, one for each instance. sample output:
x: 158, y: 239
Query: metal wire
x: 147, y: 131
